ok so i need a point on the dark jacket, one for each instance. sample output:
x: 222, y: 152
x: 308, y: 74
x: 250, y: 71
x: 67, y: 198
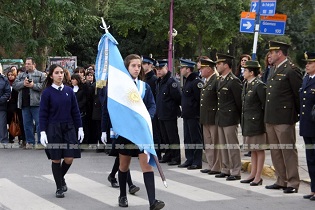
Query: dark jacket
x: 282, y: 101
x: 307, y: 101
x: 209, y: 102
x: 5, y: 92
x: 253, y: 98
x: 229, y: 101
x: 191, y: 96
x: 168, y: 98
x: 151, y: 79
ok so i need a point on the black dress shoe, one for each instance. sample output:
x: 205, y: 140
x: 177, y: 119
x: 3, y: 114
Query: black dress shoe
x: 64, y: 185
x: 59, y: 193
x: 256, y: 183
x: 157, y: 205
x: 133, y: 189
x: 247, y: 181
x: 312, y: 198
x: 221, y: 175
x: 233, y: 178
x: 290, y: 190
x: 249, y: 154
x: 214, y: 172
x: 113, y: 181
x: 193, y: 167
x: 173, y: 163
x: 184, y: 165
x: 205, y: 171
x: 274, y: 187
x: 122, y: 201
x: 307, y: 196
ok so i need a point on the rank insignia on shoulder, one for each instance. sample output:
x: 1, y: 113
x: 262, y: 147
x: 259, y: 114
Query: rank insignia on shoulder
x: 174, y: 85
x: 200, y: 85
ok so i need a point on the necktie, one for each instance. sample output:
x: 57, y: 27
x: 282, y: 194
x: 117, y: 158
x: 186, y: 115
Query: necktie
x: 59, y: 88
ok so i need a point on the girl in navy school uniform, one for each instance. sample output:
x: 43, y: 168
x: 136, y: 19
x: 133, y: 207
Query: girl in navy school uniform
x: 59, y: 117
x: 133, y: 64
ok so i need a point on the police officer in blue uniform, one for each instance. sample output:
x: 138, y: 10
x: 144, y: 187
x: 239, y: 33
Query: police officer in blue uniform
x: 191, y: 114
x: 168, y: 99
x: 151, y: 78
x: 307, y: 118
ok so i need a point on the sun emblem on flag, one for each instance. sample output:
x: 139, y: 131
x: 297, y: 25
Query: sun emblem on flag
x: 134, y: 96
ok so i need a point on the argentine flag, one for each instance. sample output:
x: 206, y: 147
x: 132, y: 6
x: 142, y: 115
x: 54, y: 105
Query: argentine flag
x: 129, y: 116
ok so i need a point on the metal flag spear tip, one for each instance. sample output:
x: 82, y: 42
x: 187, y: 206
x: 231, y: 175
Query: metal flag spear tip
x: 104, y: 26
x: 160, y: 171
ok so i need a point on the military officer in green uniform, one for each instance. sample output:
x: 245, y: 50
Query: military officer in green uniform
x: 208, y: 109
x: 229, y: 90
x: 281, y: 114
x: 252, y: 121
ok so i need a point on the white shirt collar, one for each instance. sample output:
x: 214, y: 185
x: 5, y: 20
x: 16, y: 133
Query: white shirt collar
x: 285, y: 60
x: 56, y: 86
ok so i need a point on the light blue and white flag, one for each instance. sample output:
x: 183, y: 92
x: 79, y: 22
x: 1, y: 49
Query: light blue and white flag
x: 129, y: 116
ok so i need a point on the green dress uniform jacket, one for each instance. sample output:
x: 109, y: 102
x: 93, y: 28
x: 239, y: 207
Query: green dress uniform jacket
x: 229, y: 101
x: 253, y: 105
x: 282, y: 101
x: 209, y: 102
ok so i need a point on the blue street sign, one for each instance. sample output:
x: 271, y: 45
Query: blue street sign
x: 247, y: 25
x: 272, y: 27
x: 267, y: 7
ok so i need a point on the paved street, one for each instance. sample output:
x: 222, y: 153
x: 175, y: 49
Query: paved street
x: 26, y: 182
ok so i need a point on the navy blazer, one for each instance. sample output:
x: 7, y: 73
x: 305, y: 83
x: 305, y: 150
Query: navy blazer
x: 307, y: 101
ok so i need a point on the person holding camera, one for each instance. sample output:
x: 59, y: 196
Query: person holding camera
x: 29, y: 85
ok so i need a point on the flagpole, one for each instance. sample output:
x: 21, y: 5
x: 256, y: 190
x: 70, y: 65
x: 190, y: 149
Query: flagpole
x: 170, y: 43
x: 158, y: 165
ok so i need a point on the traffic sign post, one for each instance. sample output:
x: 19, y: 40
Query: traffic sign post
x: 247, y: 24
x: 266, y: 7
x: 274, y: 25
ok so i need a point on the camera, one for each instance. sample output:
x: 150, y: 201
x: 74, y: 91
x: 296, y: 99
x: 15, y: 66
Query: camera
x: 29, y: 80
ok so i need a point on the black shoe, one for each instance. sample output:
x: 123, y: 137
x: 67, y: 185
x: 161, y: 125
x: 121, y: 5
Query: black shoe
x: 164, y: 160
x: 133, y: 189
x: 312, y: 198
x: 194, y: 167
x: 157, y: 205
x: 113, y: 181
x: 274, y: 187
x: 233, y: 178
x: 247, y: 181
x: 221, y: 175
x: 64, y: 185
x: 256, y: 183
x: 307, y: 196
x: 184, y: 165
x: 290, y: 190
x: 214, y: 172
x: 173, y: 163
x: 59, y: 193
x: 122, y: 201
x: 204, y: 171
x: 249, y: 154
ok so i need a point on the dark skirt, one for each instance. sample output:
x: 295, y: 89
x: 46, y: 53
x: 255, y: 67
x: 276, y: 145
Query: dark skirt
x: 62, y: 141
x: 123, y: 146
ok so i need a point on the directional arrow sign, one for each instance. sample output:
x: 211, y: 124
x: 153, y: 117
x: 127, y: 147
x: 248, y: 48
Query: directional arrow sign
x: 247, y: 23
x: 267, y: 7
x: 274, y: 25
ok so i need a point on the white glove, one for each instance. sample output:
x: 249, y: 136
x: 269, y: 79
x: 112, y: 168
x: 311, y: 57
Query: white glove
x: 43, y: 138
x: 80, y: 134
x: 104, y: 138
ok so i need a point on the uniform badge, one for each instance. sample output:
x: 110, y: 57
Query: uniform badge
x: 174, y: 85
x: 200, y: 85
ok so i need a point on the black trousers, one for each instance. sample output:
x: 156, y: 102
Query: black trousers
x: 310, y: 159
x: 193, y: 141
x: 169, y: 133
